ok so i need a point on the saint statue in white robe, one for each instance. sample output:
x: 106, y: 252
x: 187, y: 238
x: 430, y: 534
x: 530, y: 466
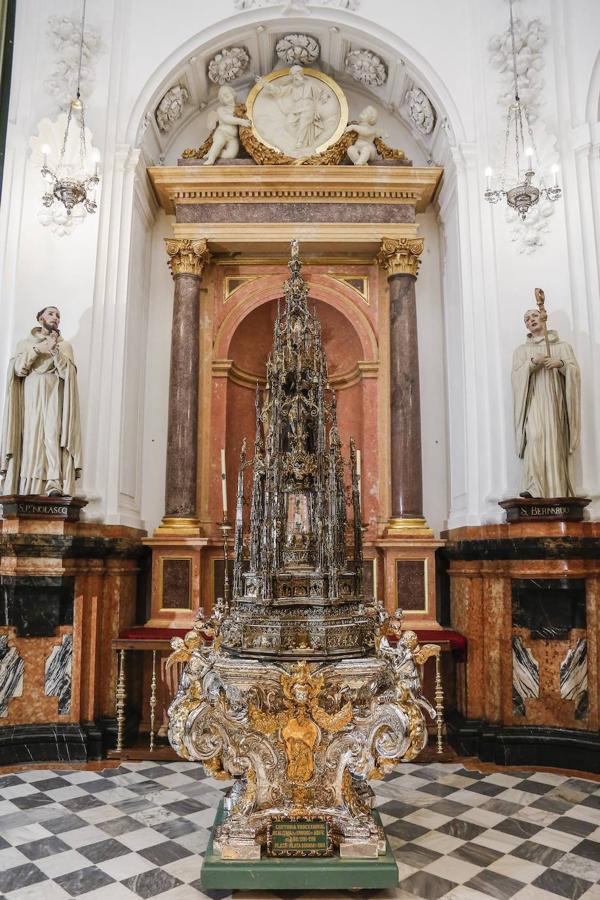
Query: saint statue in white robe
x: 547, y: 400
x: 41, y: 433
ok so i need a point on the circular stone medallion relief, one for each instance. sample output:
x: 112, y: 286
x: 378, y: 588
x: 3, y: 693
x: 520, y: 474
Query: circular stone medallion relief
x: 298, y: 111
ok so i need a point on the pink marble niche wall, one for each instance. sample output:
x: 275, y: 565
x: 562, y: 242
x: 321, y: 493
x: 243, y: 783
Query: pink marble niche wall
x: 243, y: 342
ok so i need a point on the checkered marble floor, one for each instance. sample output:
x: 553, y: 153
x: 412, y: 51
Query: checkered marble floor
x: 140, y: 830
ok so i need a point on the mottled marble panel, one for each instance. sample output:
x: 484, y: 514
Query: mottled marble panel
x: 526, y: 675
x: 177, y: 583
x: 57, y: 681
x: 574, y: 677
x: 11, y: 674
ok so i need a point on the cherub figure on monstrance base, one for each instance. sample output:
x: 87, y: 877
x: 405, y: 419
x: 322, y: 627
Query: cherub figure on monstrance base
x: 546, y: 388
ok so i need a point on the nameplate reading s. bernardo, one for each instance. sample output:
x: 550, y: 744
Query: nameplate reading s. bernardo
x: 298, y: 837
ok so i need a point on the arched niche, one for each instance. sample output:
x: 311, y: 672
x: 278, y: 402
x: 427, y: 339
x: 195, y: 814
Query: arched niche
x: 244, y: 341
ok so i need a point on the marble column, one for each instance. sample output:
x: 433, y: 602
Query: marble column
x: 186, y: 260
x: 401, y: 259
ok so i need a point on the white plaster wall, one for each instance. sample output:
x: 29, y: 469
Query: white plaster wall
x: 114, y: 290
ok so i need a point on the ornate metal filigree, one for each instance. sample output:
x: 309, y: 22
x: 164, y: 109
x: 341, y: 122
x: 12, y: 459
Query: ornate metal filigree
x: 307, y: 688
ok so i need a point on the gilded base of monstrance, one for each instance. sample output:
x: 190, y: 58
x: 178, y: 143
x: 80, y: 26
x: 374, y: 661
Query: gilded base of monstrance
x: 300, y: 740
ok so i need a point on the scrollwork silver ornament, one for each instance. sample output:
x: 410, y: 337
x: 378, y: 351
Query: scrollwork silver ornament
x: 296, y: 48
x: 420, y: 110
x: 228, y: 64
x: 171, y: 107
x: 366, y: 67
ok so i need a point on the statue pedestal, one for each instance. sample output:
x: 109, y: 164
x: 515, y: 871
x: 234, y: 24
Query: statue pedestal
x: 66, y: 590
x: 40, y: 506
x: 273, y: 874
x: 527, y: 598
x: 545, y: 509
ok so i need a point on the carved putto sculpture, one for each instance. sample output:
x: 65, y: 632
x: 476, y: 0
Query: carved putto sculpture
x: 307, y: 689
x: 363, y: 151
x: 41, y: 434
x: 225, y: 143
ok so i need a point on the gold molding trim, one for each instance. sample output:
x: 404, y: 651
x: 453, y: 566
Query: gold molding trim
x: 347, y: 281
x: 408, y: 527
x: 243, y: 280
x: 187, y: 257
x: 400, y: 256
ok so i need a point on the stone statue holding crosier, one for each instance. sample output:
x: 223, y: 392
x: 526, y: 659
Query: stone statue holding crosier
x: 41, y: 433
x: 547, y: 400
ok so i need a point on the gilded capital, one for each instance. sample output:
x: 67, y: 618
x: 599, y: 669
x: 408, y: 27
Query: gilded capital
x: 187, y: 257
x: 400, y: 256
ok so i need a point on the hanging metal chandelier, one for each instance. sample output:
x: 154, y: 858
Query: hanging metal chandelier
x: 525, y: 193
x: 69, y: 184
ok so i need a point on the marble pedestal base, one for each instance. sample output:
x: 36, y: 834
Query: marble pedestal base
x: 409, y: 574
x: 66, y: 590
x: 527, y: 598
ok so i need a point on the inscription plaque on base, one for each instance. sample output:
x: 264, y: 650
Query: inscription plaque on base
x: 562, y: 509
x: 298, y: 837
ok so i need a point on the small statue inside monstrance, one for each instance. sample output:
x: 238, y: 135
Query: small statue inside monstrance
x: 309, y: 688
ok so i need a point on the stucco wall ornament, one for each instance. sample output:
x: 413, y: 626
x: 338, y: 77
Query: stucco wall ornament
x: 64, y: 34
x: 527, y: 236
x: 530, y: 40
x: 228, y: 64
x: 171, y: 107
x: 295, y: 5
x: 420, y: 110
x: 366, y: 67
x: 297, y: 48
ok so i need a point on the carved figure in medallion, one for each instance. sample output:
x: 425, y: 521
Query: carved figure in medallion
x: 547, y: 400
x: 300, y: 101
x: 225, y: 142
x: 41, y: 434
x: 364, y: 151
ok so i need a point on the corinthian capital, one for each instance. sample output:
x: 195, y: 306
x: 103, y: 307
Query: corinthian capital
x: 187, y: 257
x: 400, y: 256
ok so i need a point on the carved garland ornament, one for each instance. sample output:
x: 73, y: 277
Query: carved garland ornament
x: 366, y: 67
x: 170, y: 108
x: 400, y: 256
x: 187, y: 257
x: 228, y: 64
x: 297, y: 48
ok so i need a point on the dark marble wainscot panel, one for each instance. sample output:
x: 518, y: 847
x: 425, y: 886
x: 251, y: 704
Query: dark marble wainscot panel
x: 43, y: 743
x: 525, y: 675
x: 57, y: 682
x: 36, y: 605
x: 11, y: 674
x: 395, y: 213
x: 574, y: 678
x: 549, y: 607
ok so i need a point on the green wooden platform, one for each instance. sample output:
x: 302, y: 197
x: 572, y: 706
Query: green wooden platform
x: 321, y: 873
